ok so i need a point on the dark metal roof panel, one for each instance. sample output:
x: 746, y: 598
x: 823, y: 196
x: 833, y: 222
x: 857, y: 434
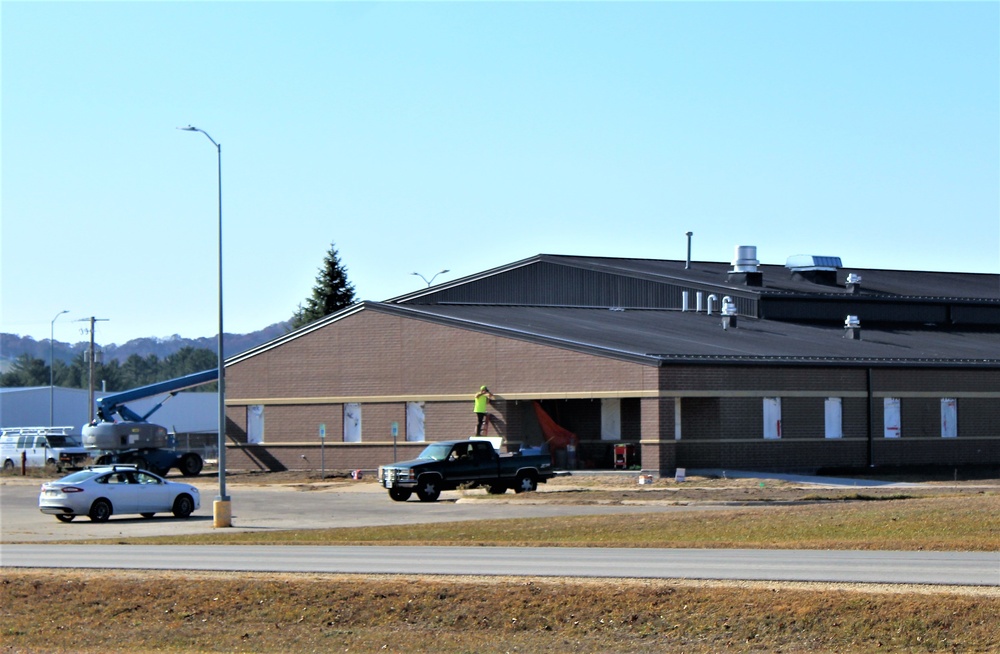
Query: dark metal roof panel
x: 657, y: 336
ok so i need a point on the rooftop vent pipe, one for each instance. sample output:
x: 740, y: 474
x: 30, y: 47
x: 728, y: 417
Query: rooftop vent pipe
x: 687, y: 265
x: 852, y: 328
x: 853, y: 283
x: 745, y: 267
x: 728, y: 313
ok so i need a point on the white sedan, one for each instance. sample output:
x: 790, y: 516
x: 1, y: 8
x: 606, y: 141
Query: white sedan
x: 102, y: 491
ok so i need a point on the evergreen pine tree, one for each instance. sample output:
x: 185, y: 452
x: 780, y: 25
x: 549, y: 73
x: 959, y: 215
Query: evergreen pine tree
x: 331, y: 293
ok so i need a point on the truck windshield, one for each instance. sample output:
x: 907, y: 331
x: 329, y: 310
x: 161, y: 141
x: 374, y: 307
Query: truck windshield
x: 436, y: 452
x: 63, y: 441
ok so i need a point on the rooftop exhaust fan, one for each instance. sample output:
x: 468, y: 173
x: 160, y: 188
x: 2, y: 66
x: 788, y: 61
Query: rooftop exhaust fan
x: 745, y: 267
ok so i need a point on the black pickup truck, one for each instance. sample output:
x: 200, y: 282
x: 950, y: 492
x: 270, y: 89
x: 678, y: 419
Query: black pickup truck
x: 446, y: 465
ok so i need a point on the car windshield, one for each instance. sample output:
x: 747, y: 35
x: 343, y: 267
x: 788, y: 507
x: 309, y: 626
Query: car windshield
x: 63, y: 441
x: 77, y: 477
x: 435, y: 452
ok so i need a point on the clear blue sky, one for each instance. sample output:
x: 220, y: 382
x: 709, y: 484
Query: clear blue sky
x: 424, y: 136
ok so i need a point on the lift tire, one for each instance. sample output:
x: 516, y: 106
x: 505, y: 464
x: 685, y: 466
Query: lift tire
x: 190, y: 465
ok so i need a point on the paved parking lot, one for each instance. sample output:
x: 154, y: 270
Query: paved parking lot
x: 259, y: 507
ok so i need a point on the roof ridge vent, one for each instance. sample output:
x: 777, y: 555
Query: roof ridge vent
x: 813, y: 268
x: 798, y: 262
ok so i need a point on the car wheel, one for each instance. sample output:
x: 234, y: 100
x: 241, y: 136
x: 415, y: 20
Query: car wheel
x: 183, y: 506
x: 400, y: 494
x: 103, y: 460
x: 496, y: 489
x: 190, y: 465
x: 147, y: 515
x: 63, y: 517
x: 8, y: 464
x: 100, y: 511
x: 526, y: 483
x: 428, y: 490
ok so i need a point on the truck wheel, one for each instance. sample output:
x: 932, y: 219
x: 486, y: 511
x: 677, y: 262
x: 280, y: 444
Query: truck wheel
x: 183, y: 506
x: 140, y: 463
x: 100, y: 511
x: 63, y: 517
x: 427, y: 490
x: 400, y: 494
x: 525, y: 483
x: 8, y: 464
x: 190, y: 465
x: 496, y: 489
x: 103, y: 460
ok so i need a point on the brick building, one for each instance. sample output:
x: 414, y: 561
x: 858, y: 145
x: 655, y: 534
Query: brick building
x: 649, y: 363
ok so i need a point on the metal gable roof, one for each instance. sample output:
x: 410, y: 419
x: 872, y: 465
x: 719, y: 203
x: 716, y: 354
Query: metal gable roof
x: 572, y: 302
x: 659, y: 336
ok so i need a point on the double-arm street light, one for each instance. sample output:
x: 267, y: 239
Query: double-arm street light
x: 52, y: 378
x: 222, y: 510
x: 432, y: 278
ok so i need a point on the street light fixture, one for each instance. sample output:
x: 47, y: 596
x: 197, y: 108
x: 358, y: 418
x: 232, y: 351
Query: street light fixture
x: 52, y: 379
x: 222, y: 510
x: 432, y: 278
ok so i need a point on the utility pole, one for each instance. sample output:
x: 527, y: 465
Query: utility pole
x: 91, y: 359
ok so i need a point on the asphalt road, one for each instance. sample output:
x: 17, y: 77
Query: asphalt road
x: 944, y: 568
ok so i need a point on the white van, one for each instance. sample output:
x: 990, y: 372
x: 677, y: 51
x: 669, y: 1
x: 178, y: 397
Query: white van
x: 57, y: 446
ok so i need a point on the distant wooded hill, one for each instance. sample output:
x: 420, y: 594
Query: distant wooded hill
x: 13, y: 346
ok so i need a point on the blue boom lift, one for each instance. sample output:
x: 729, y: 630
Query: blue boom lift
x: 136, y: 441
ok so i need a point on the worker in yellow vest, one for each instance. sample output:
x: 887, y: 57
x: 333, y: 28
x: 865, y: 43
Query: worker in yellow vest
x: 483, y: 398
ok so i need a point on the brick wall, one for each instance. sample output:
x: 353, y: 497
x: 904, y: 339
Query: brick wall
x: 383, y: 361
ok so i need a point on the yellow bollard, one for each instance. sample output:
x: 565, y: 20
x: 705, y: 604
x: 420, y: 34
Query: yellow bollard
x: 222, y: 512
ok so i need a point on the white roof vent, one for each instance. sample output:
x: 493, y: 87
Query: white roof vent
x: 745, y: 259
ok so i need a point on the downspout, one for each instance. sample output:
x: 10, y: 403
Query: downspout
x: 871, y: 411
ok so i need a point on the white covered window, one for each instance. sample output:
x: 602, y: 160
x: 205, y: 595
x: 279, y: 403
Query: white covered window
x: 949, y: 417
x: 611, y: 419
x: 772, y: 417
x: 352, y: 422
x: 890, y: 411
x: 255, y: 424
x: 834, y: 418
x: 415, y: 421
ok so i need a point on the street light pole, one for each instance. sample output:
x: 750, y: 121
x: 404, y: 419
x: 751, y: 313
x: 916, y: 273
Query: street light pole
x: 52, y: 379
x: 222, y: 509
x: 432, y: 278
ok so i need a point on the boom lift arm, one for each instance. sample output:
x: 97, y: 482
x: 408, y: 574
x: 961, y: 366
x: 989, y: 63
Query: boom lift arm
x: 111, y: 405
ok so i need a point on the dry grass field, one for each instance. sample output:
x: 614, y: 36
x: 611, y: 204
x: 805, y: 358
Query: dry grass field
x: 112, y: 611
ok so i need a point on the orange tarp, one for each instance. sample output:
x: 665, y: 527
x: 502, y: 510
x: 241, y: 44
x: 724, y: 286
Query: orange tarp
x: 557, y: 437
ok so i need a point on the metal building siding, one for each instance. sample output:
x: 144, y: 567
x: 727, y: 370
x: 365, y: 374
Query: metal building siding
x: 547, y: 284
